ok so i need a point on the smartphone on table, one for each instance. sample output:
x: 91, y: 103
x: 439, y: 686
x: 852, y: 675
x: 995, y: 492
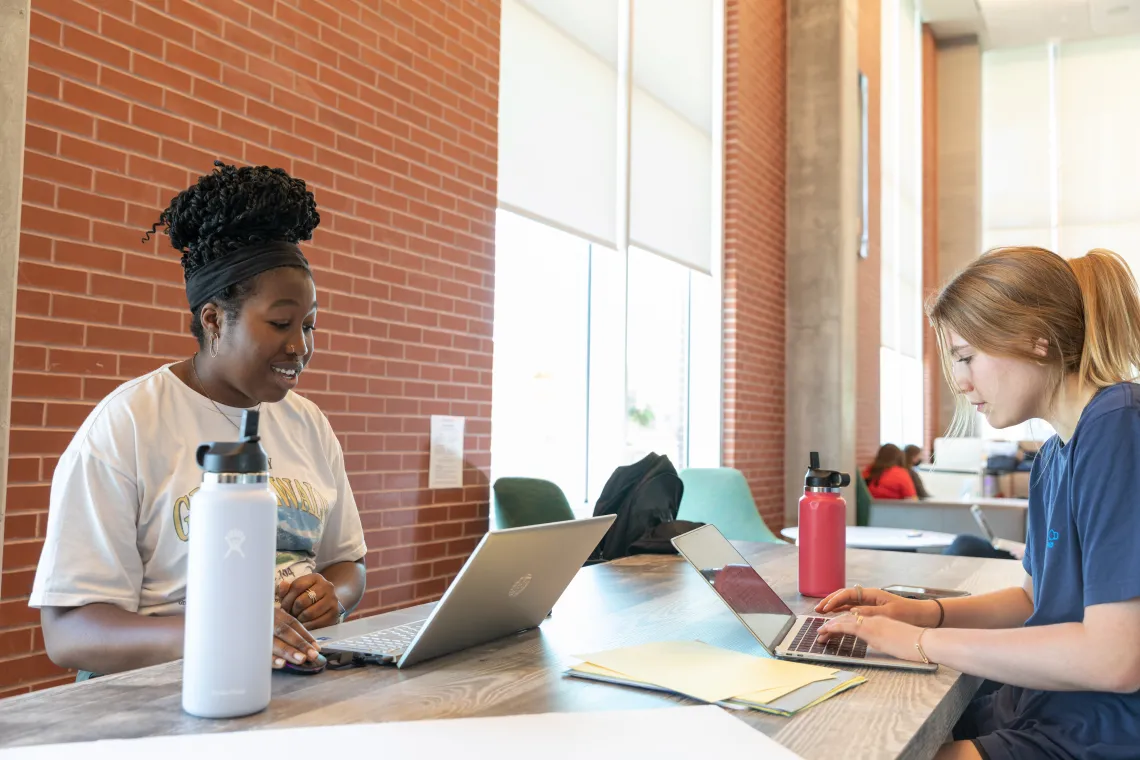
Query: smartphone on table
x: 924, y: 592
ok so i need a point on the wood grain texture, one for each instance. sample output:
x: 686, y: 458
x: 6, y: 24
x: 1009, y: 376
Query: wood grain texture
x: 631, y: 601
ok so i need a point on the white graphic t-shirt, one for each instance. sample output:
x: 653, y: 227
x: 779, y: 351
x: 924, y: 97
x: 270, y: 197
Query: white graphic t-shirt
x: 119, y: 518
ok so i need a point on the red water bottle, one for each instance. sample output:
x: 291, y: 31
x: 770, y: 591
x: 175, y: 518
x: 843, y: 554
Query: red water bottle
x: 823, y: 531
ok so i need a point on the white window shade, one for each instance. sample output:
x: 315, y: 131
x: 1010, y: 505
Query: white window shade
x: 1042, y: 237
x: 1098, y: 110
x: 1017, y: 181
x: 901, y: 177
x: 558, y: 115
x: 1060, y: 156
x: 670, y: 195
x: 909, y: 131
x: 671, y: 163
x: 909, y: 232
x: 1123, y: 238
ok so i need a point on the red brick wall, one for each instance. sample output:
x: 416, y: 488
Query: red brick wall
x: 932, y: 369
x: 869, y: 275
x: 754, y: 248
x: 391, y: 117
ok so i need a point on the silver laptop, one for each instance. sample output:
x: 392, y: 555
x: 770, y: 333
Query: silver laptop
x: 780, y: 631
x: 509, y: 584
x: 1001, y: 544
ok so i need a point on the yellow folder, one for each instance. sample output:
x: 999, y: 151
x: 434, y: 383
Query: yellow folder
x: 708, y: 673
x: 700, y: 671
x: 761, y: 697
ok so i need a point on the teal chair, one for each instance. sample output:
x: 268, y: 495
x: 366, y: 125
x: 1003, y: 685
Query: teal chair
x: 720, y: 496
x: 529, y: 501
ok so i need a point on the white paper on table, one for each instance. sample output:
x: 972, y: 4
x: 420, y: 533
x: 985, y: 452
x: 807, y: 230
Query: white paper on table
x: 675, y: 733
x: 445, y: 469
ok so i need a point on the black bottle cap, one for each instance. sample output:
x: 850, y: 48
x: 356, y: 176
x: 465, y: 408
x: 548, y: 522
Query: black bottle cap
x: 820, y: 478
x: 240, y: 457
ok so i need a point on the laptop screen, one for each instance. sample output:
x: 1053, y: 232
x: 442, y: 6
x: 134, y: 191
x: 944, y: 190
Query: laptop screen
x: 737, y: 583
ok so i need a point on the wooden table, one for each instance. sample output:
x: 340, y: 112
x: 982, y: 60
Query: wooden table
x: 636, y: 600
x: 896, y: 539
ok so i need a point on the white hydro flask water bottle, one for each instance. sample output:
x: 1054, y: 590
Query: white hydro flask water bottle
x: 227, y: 659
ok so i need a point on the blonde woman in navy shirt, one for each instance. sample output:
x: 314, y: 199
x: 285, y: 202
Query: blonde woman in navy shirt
x: 1026, y: 334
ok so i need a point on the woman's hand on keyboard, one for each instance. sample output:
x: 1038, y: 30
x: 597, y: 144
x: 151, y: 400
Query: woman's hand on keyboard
x: 874, y: 602
x: 291, y: 641
x: 882, y: 633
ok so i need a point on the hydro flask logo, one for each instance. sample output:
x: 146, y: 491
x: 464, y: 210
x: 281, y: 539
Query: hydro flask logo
x: 234, y: 539
x: 520, y: 586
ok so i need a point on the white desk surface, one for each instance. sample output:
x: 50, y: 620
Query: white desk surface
x: 866, y: 537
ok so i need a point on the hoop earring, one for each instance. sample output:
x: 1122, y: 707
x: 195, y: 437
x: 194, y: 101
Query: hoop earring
x: 215, y: 345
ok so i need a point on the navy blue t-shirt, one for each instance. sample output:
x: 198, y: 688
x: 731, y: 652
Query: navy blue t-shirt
x: 1081, y: 550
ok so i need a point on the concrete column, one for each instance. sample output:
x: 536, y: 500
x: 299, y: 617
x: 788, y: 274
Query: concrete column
x: 15, y: 17
x: 822, y: 240
x: 959, y: 65
x: 932, y: 368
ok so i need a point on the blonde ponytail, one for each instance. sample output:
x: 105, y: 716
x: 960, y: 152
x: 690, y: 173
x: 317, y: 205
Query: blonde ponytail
x: 1111, y: 350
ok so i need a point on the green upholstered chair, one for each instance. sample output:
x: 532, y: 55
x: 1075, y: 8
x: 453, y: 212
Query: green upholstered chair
x: 720, y: 496
x: 529, y: 501
x: 862, y: 501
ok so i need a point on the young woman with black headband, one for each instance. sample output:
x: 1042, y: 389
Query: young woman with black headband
x: 111, y: 580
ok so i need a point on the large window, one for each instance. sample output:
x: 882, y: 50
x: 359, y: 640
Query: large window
x: 574, y: 394
x: 900, y: 355
x: 657, y: 381
x: 541, y: 334
x: 609, y: 239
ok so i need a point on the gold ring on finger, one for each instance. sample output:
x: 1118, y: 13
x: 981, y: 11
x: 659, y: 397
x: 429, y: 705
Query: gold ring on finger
x: 311, y: 595
x: 858, y: 619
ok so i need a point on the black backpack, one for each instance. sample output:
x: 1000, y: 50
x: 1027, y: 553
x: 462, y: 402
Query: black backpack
x: 645, y: 496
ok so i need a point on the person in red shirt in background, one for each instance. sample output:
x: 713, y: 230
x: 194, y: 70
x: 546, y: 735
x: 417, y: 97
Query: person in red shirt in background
x: 912, y: 456
x: 888, y: 477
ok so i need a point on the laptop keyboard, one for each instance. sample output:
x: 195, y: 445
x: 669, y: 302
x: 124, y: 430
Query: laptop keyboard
x: 389, y: 641
x: 806, y: 641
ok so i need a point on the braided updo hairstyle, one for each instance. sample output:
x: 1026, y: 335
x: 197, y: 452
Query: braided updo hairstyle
x: 232, y: 208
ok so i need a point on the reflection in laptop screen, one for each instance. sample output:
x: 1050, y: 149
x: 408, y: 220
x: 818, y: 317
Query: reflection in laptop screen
x: 738, y: 584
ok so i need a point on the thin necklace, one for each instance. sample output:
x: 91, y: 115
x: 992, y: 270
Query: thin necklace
x: 206, y: 393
